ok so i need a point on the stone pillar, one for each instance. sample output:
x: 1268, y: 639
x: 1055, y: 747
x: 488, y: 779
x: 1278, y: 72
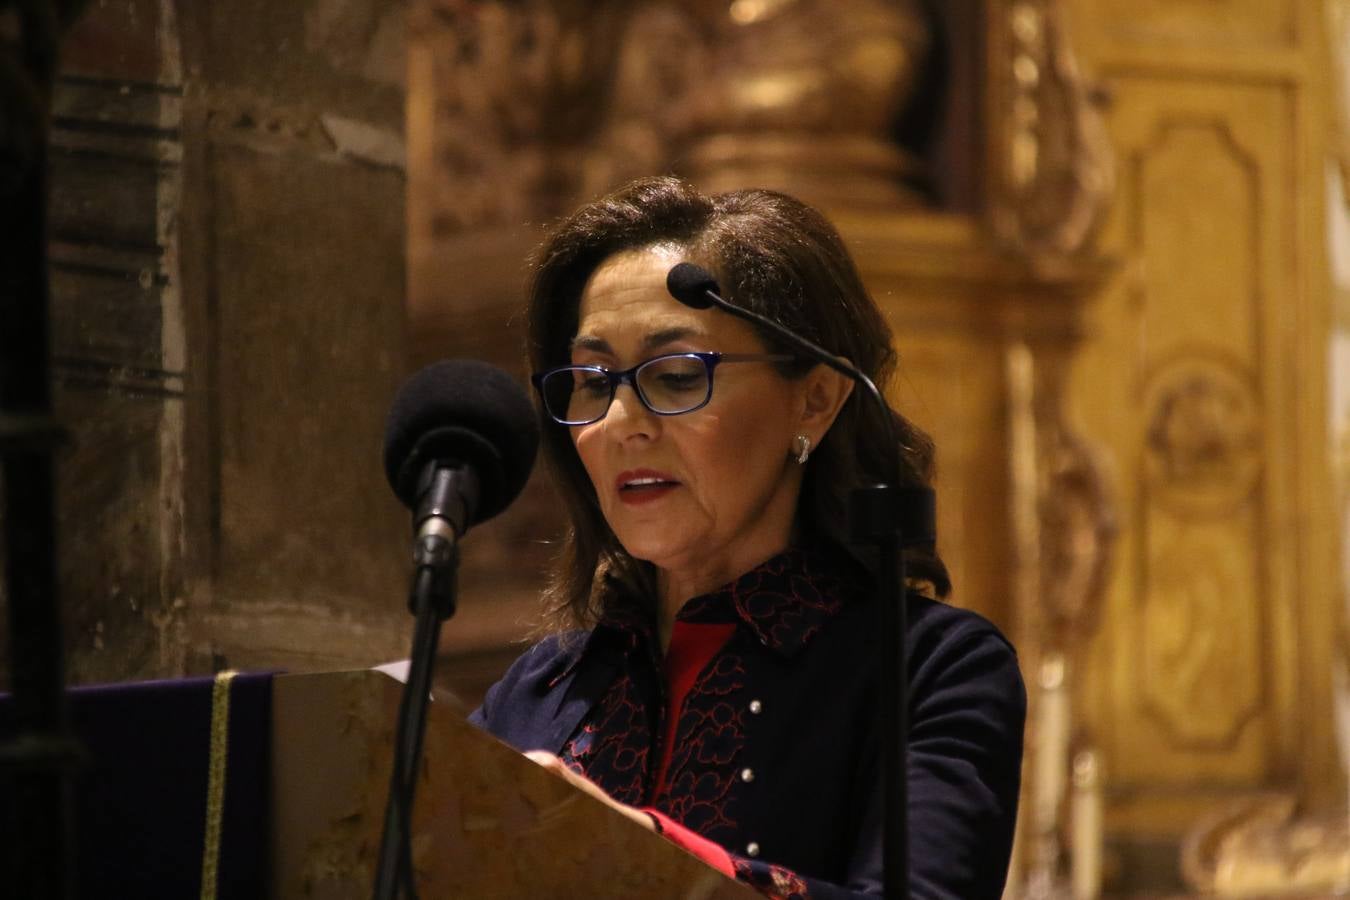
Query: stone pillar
x: 227, y: 248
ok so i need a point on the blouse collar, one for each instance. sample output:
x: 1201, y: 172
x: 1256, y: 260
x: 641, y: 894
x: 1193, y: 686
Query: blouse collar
x: 784, y: 601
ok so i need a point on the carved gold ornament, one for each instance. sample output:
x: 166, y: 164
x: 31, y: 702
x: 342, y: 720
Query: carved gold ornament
x: 1202, y: 454
x: 795, y: 94
x: 1058, y: 169
x: 1257, y: 847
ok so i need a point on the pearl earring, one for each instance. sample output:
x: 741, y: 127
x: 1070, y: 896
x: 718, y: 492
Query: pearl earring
x: 801, y: 448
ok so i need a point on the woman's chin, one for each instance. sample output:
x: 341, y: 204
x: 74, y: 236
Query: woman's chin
x: 660, y: 551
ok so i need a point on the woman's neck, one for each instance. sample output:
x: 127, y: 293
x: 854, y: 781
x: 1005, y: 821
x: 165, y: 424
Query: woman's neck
x: 675, y: 588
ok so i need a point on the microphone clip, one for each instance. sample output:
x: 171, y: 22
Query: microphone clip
x: 446, y: 501
x: 447, y: 498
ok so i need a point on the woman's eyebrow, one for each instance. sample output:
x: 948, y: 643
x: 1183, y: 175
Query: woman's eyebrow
x: 590, y: 342
x: 669, y: 336
x: 656, y: 339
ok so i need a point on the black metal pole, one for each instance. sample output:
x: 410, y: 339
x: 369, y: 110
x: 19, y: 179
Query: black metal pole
x: 895, y: 725
x: 432, y: 600
x: 40, y: 759
x: 875, y: 518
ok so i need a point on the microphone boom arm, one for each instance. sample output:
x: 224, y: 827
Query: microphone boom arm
x: 874, y: 518
x: 820, y: 355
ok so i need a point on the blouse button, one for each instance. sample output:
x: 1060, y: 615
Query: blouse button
x: 752, y: 849
x: 756, y: 707
x: 747, y: 775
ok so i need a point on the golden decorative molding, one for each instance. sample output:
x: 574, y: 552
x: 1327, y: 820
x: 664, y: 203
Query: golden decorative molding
x: 1201, y: 668
x: 524, y: 109
x: 1202, y: 449
x: 1063, y: 529
x: 1204, y: 376
x: 1079, y: 530
x: 799, y: 95
x: 1054, y: 167
x: 503, y: 98
x: 1199, y: 609
x: 1063, y: 517
x: 1258, y: 847
x: 1264, y: 26
x: 1199, y: 606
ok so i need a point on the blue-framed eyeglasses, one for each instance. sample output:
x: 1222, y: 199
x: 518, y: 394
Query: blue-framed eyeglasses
x: 668, y: 385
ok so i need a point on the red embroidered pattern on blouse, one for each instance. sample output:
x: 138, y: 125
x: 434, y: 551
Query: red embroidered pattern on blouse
x: 772, y: 881
x: 710, y: 736
x: 782, y: 603
x: 611, y: 748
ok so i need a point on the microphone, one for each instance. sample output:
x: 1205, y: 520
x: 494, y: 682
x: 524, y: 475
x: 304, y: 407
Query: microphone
x: 887, y: 516
x: 696, y: 288
x: 459, y: 445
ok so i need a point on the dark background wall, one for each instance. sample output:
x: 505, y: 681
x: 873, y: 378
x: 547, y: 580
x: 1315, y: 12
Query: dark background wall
x: 227, y: 246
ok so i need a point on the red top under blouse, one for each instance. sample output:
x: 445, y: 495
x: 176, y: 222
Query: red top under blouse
x: 692, y: 646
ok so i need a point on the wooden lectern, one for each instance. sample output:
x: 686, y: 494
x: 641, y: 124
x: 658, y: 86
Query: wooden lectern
x: 241, y: 787
x: 488, y: 822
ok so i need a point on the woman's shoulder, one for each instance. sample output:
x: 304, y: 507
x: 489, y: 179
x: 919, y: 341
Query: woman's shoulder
x: 935, y: 624
x: 546, y: 659
x: 510, y: 708
x: 957, y: 653
x: 945, y: 644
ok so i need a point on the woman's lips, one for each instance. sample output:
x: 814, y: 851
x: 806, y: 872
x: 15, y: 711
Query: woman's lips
x: 644, y: 486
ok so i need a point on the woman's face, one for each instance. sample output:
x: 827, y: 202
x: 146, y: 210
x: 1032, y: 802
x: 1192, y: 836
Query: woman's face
x: 712, y: 491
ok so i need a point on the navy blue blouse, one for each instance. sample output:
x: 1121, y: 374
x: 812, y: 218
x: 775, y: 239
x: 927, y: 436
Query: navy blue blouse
x: 776, y: 747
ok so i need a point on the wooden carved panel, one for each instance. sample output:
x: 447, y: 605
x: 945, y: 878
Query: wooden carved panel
x: 1191, y: 674
x: 1199, y: 605
x: 1201, y: 676
x: 1201, y: 23
x: 1194, y: 199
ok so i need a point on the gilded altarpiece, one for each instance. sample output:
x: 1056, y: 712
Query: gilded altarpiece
x: 518, y: 112
x: 587, y: 97
x: 1204, y: 374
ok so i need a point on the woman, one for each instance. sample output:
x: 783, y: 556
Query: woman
x: 712, y: 670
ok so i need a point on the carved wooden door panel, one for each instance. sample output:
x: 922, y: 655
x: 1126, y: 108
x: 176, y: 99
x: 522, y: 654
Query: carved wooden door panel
x: 1204, y: 373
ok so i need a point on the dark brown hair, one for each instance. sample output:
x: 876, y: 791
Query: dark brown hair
x: 770, y: 253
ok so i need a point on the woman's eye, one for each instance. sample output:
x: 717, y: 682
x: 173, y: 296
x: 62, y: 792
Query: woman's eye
x: 680, y: 381
x: 592, y: 383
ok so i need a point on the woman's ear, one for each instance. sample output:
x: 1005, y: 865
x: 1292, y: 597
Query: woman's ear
x: 825, y: 393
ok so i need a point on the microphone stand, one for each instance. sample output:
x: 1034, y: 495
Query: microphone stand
x: 875, y: 518
x: 449, y: 499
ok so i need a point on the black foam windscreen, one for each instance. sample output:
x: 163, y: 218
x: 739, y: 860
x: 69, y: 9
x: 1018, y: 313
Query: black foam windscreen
x: 690, y: 285
x: 468, y: 412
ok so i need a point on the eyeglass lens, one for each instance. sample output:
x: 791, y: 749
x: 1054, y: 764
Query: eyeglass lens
x: 668, y: 385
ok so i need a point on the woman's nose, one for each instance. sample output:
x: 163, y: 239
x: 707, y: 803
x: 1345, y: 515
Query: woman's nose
x: 628, y: 416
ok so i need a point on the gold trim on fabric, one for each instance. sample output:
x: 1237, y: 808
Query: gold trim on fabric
x: 215, y: 787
